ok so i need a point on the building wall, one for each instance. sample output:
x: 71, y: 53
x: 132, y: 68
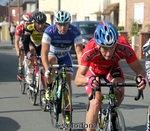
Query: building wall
x: 15, y: 17
x: 130, y: 14
x: 83, y: 8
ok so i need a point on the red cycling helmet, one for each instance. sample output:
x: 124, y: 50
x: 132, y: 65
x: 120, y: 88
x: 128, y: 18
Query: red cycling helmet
x: 27, y: 17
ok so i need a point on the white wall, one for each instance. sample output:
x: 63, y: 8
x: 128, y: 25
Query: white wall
x: 84, y: 8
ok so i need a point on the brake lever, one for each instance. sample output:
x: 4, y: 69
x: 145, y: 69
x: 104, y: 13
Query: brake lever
x: 139, y: 95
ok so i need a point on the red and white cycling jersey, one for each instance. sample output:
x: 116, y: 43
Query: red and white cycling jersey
x: 19, y: 32
x: 91, y: 56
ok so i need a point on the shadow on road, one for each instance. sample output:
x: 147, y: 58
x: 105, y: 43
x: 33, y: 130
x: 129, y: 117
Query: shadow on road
x: 140, y: 128
x: 8, y: 124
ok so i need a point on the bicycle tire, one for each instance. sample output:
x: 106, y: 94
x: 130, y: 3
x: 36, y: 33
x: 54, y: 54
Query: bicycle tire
x: 23, y: 82
x: 42, y: 100
x: 23, y: 86
x: 42, y: 91
x: 53, y: 107
x: 148, y: 118
x: 66, y: 108
x: 120, y: 122
x: 33, y: 93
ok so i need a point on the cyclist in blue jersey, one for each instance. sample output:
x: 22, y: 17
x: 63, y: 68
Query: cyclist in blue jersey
x: 56, y: 45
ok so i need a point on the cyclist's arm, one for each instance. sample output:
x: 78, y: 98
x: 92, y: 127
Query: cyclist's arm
x: 17, y: 39
x: 78, y: 49
x: 137, y: 68
x: 81, y: 79
x: 44, y: 55
x: 26, y: 41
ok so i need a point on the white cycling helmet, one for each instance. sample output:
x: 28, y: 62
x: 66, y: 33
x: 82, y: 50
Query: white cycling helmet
x: 27, y: 17
x: 62, y: 17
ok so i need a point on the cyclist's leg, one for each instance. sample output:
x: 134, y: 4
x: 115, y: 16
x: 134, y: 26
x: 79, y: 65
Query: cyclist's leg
x: 93, y: 109
x: 51, y: 60
x: 116, y: 75
x: 20, y: 59
x: 29, y: 62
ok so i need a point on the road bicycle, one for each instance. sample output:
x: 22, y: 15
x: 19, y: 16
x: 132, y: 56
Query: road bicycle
x: 110, y: 116
x: 33, y: 89
x: 62, y: 98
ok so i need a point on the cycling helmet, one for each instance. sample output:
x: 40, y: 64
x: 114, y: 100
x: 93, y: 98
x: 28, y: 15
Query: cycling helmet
x: 39, y: 17
x: 105, y: 34
x: 27, y: 17
x: 62, y: 17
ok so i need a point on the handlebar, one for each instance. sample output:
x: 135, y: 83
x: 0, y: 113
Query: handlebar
x: 114, y: 85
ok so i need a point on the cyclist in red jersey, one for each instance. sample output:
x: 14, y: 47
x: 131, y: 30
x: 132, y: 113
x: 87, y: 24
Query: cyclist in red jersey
x: 101, y: 56
x: 18, y: 40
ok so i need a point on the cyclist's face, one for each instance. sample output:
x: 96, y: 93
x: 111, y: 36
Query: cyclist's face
x: 62, y: 28
x: 26, y: 23
x: 107, y: 52
x: 39, y: 27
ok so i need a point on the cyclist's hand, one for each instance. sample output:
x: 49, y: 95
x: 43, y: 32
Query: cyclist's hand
x: 141, y: 81
x: 47, y: 73
x: 93, y: 82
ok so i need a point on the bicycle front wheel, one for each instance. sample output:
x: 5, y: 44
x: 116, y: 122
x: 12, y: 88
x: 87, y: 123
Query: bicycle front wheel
x: 66, y: 108
x: 53, y: 106
x: 23, y: 86
x: 117, y: 124
x: 120, y: 122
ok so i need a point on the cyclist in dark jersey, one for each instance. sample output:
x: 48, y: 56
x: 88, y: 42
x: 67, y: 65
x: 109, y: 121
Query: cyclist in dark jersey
x: 32, y: 40
x: 101, y: 56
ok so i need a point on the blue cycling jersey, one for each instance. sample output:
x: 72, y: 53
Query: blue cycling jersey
x: 60, y: 45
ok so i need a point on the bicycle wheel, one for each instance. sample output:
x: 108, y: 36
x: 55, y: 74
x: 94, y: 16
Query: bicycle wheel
x: 42, y: 91
x: 120, y: 122
x: 66, y: 106
x: 53, y: 107
x: 22, y: 81
x: 109, y: 122
x: 42, y: 100
x: 23, y: 87
x: 36, y: 89
x: 148, y: 119
x: 33, y: 90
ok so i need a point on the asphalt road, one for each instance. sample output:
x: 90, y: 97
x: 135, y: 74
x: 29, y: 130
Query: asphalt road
x: 18, y: 114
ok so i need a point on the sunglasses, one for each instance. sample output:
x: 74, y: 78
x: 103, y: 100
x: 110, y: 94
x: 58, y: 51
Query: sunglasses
x: 62, y: 24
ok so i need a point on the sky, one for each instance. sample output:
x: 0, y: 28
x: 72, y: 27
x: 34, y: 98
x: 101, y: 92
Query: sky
x: 3, y: 1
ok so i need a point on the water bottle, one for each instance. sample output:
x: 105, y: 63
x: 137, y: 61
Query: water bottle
x: 59, y: 91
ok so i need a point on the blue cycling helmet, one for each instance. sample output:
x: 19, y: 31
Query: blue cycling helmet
x: 62, y: 17
x: 105, y: 34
